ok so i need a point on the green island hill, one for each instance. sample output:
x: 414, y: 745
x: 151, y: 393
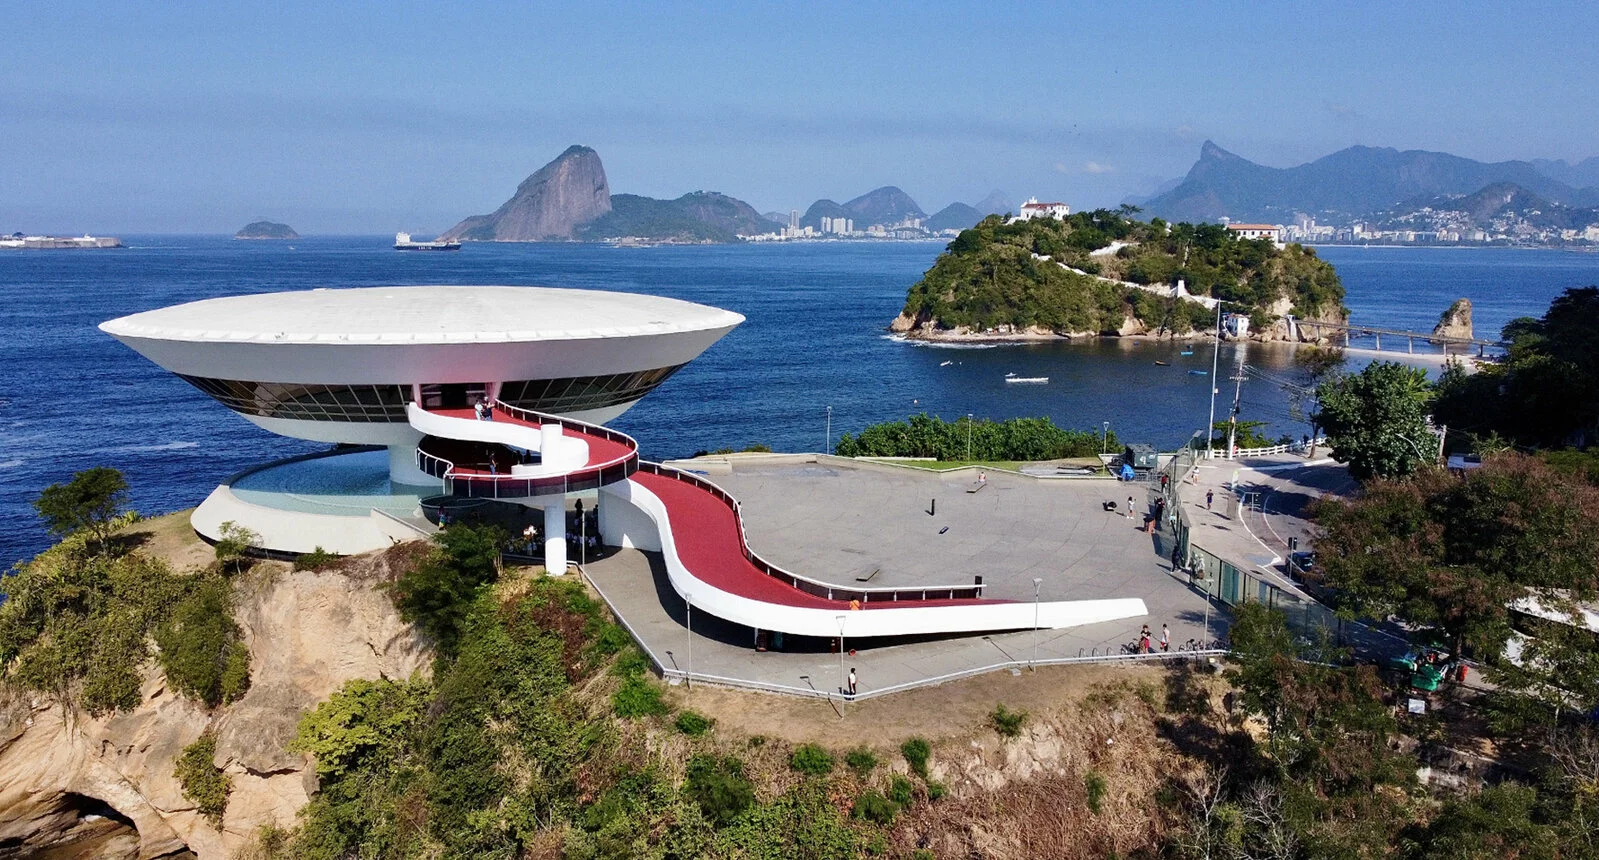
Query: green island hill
x: 266, y: 230
x: 1104, y: 273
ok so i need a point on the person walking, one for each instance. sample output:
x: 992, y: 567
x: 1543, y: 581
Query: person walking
x: 852, y: 682
x: 1165, y: 637
x: 1143, y: 640
x: 1129, y: 507
x: 1209, y: 496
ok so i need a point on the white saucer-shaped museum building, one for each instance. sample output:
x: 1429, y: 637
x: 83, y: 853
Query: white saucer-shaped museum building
x: 488, y: 402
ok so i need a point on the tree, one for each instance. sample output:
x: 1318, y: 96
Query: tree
x: 436, y: 593
x: 1452, y: 554
x: 1376, y: 420
x: 93, y: 501
x: 1546, y: 391
x: 233, y: 548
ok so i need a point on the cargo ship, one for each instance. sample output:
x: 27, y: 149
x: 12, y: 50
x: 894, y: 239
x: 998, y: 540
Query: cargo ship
x: 402, y: 242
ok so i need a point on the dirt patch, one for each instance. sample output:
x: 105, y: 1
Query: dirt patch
x: 950, y: 710
x: 170, y: 538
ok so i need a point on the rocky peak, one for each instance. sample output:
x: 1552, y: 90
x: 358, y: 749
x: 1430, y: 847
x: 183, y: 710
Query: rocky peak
x: 548, y: 206
x: 1455, y: 322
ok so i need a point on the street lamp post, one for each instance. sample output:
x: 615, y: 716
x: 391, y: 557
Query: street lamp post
x: 1104, y: 437
x: 828, y: 445
x: 688, y: 606
x: 843, y: 683
x: 1037, y: 581
x: 1215, y: 359
x: 968, y: 437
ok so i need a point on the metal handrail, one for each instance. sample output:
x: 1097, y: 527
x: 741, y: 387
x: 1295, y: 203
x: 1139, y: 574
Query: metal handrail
x: 810, y: 586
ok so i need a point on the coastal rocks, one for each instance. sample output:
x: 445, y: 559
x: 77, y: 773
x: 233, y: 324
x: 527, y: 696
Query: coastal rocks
x: 1455, y: 322
x: 547, y: 206
x: 63, y: 774
x: 1130, y: 326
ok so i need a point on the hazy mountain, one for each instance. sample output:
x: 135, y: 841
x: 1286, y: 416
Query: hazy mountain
x: 1350, y: 183
x: 996, y: 203
x: 955, y: 216
x: 776, y: 217
x: 1583, y: 174
x: 547, y: 206
x: 700, y: 216
x: 1501, y: 200
x: 1159, y: 189
x: 886, y: 205
x: 824, y: 209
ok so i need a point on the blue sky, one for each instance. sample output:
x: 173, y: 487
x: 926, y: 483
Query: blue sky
x: 368, y: 118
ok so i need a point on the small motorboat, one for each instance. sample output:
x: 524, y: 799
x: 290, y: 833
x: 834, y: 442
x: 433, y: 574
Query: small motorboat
x: 1034, y: 380
x: 1186, y: 352
x: 945, y: 363
x: 1163, y: 363
x: 1199, y: 372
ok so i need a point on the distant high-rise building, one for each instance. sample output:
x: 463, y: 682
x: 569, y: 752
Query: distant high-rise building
x: 793, y: 219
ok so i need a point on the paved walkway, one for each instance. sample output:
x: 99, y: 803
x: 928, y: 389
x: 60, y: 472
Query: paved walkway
x: 840, y: 522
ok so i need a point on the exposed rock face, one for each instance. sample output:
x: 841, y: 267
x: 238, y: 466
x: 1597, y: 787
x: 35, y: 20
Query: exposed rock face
x: 1455, y: 322
x: 308, y: 633
x: 548, y: 206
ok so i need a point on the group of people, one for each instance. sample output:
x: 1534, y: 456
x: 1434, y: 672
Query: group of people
x: 484, y: 409
x: 1144, y: 646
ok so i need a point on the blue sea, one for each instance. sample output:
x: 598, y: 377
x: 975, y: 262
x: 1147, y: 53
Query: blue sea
x: 72, y: 397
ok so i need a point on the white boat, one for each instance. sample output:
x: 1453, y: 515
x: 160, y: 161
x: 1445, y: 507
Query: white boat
x: 1034, y: 380
x: 403, y: 242
x: 945, y: 363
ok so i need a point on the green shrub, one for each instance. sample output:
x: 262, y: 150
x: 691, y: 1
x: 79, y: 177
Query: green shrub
x: 811, y: 760
x: 203, y: 782
x: 1094, y: 784
x: 923, y: 854
x: 861, y: 760
x: 719, y: 787
x: 611, y: 639
x: 631, y: 664
x: 1007, y: 722
x: 936, y: 790
x: 875, y: 808
x: 637, y: 698
x: 900, y: 790
x: 916, y: 752
x: 233, y: 547
x: 316, y: 559
x: 692, y: 723
x: 202, y: 649
x: 436, y: 594
x: 92, y: 502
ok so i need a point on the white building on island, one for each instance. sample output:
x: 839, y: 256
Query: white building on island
x: 1034, y: 209
x: 1272, y: 232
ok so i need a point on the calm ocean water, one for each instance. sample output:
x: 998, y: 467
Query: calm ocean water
x: 72, y: 397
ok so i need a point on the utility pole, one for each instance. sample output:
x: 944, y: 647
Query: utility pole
x: 1232, y: 420
x: 1215, y: 358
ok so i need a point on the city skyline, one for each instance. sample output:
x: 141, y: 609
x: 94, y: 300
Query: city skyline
x: 367, y: 119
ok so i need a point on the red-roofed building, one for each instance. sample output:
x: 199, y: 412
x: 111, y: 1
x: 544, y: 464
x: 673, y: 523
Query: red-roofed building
x: 1258, y: 231
x: 1034, y: 209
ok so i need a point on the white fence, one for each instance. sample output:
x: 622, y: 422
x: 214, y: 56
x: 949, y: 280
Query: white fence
x: 1290, y: 448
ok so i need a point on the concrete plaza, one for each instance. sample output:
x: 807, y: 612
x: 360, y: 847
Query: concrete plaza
x: 844, y: 521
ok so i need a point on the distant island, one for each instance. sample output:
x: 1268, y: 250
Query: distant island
x: 266, y: 230
x: 1103, y: 273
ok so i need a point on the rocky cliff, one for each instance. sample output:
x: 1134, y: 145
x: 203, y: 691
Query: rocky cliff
x: 76, y: 786
x: 1455, y: 322
x: 548, y: 206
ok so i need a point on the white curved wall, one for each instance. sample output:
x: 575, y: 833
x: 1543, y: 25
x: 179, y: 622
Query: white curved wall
x: 402, y: 363
x: 804, y: 621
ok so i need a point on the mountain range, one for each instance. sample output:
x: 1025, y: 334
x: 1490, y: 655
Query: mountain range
x: 1352, y: 183
x: 569, y: 199
x: 1495, y: 208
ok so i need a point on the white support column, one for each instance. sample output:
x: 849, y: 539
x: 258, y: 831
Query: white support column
x: 555, y: 537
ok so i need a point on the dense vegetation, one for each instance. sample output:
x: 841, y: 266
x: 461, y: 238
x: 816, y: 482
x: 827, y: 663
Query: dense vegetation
x: 79, y: 619
x: 998, y: 274
x: 1376, y: 420
x: 201, y: 780
x: 923, y: 435
x: 1546, y: 392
